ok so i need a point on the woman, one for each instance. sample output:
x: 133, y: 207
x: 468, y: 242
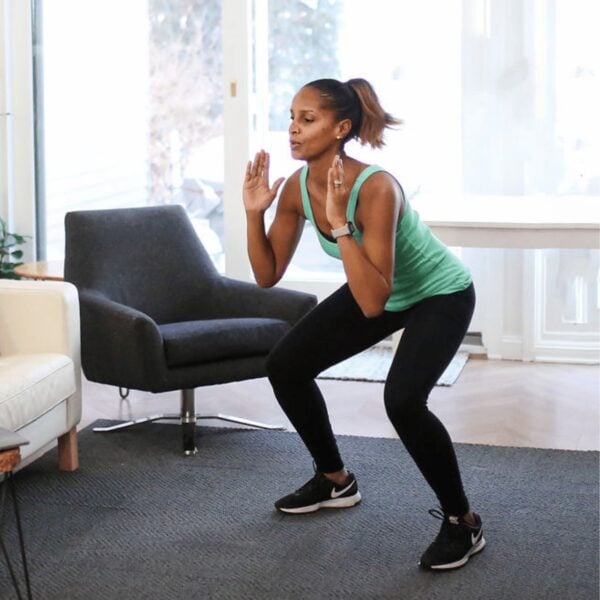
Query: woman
x: 399, y: 276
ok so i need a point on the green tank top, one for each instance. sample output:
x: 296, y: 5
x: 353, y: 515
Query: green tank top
x: 423, y: 266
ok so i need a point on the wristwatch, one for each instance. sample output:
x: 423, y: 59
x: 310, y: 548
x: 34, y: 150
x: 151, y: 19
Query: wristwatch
x: 347, y: 229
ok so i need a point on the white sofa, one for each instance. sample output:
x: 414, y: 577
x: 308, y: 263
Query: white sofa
x: 40, y: 373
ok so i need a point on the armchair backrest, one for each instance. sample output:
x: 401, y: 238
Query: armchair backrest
x: 149, y: 258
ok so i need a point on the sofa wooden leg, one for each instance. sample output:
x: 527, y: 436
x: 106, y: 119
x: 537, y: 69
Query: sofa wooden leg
x: 68, y: 455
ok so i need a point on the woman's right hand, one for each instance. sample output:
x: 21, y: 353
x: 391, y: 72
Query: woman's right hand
x: 257, y: 194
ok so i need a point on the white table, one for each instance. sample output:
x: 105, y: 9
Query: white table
x: 514, y: 221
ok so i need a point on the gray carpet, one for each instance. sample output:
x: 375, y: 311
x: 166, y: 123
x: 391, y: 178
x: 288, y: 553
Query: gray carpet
x: 373, y: 365
x: 138, y: 520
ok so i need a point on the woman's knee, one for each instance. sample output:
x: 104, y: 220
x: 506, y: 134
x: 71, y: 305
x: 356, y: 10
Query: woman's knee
x: 291, y: 361
x: 284, y: 367
x: 402, y: 405
x: 275, y: 365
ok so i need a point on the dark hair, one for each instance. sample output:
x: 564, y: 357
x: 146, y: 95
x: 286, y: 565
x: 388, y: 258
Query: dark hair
x: 357, y: 101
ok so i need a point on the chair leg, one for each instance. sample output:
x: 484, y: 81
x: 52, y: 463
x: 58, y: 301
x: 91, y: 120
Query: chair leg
x: 188, y: 422
x: 188, y: 418
x: 141, y: 421
x: 240, y: 421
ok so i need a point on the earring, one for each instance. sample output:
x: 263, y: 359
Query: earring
x: 338, y: 137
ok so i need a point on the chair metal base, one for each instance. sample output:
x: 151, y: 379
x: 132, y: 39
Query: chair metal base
x: 188, y: 417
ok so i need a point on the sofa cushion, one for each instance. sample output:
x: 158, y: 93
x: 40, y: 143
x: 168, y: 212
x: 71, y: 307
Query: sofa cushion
x: 193, y: 342
x: 31, y: 385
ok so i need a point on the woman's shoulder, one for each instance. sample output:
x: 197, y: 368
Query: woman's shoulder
x: 293, y: 180
x: 377, y: 180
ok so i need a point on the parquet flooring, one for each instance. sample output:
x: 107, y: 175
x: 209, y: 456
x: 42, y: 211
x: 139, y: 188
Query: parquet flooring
x: 502, y: 403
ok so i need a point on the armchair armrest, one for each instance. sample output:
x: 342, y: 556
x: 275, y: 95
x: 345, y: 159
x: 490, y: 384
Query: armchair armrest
x: 243, y: 299
x: 120, y: 345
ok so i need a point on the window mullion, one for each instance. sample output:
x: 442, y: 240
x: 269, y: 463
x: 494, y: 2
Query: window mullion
x: 237, y: 116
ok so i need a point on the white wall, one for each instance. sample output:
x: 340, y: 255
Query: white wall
x: 537, y: 305
x: 17, y: 181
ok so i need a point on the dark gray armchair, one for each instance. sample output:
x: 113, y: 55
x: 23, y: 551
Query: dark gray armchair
x: 157, y: 316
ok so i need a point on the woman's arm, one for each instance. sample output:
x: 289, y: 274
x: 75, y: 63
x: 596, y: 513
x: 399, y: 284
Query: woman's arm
x: 369, y: 267
x: 269, y: 254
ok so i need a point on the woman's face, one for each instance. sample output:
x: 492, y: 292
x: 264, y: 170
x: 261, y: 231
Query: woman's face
x: 313, y: 129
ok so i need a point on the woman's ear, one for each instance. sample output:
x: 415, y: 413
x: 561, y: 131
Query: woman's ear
x: 343, y: 129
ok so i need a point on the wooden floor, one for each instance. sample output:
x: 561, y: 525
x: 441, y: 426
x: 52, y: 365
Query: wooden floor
x: 502, y: 403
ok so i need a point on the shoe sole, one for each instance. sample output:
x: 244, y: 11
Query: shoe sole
x: 345, y: 502
x: 478, y: 547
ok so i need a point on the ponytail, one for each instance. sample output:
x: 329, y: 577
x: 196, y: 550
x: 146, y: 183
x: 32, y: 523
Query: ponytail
x: 356, y: 101
x: 374, y: 119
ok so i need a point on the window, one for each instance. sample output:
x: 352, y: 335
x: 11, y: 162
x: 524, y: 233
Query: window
x: 498, y: 97
x: 131, y: 112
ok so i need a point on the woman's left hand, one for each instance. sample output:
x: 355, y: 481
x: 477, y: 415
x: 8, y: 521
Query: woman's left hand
x: 337, y: 195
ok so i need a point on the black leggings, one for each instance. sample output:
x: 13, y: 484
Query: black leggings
x: 335, y: 330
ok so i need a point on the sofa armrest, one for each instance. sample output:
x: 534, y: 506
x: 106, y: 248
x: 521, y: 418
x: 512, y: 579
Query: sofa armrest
x: 39, y: 317
x: 243, y: 299
x: 119, y: 344
x: 43, y: 317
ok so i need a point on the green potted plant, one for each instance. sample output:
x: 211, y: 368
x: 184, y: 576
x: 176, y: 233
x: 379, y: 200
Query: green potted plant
x: 10, y: 255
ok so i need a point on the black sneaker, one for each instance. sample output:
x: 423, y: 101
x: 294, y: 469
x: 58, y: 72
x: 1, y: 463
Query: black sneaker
x: 456, y: 542
x: 320, y: 492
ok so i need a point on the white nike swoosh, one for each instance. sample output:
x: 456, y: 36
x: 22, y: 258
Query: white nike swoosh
x: 336, y: 494
x: 475, y: 538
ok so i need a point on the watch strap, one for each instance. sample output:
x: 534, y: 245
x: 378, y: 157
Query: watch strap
x: 347, y: 229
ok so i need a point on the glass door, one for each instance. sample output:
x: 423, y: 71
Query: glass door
x: 130, y: 112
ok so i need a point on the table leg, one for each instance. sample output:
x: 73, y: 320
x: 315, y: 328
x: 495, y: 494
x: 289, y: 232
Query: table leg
x: 7, y: 484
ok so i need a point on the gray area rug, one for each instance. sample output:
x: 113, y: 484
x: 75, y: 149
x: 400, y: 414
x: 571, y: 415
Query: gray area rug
x: 373, y: 365
x: 138, y: 520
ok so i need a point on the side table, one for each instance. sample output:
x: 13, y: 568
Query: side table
x: 52, y: 270
x: 10, y: 457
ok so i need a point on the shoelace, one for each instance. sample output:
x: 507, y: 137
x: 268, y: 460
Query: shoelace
x: 445, y: 534
x: 438, y: 513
